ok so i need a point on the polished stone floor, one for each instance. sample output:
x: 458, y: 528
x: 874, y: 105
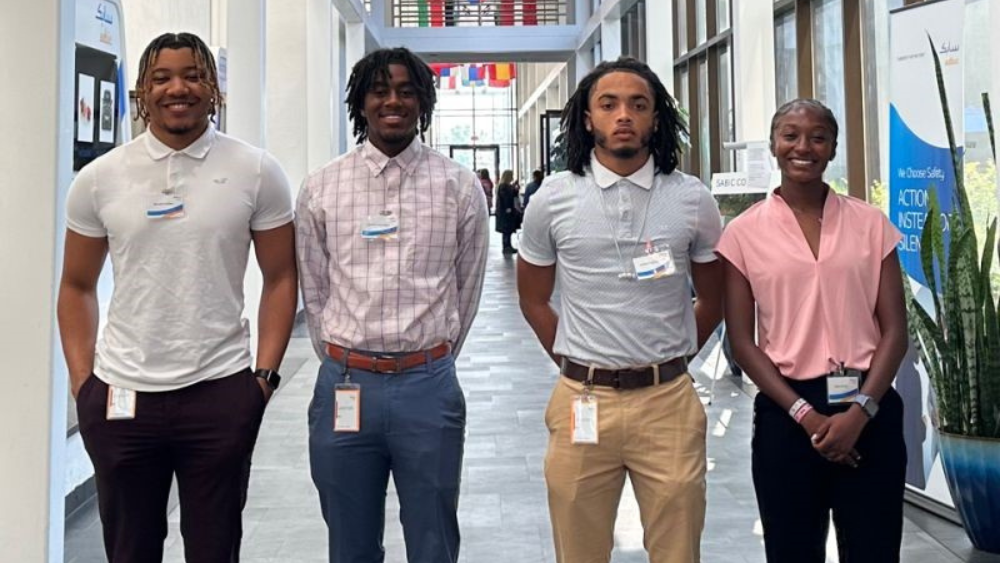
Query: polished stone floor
x: 506, y: 378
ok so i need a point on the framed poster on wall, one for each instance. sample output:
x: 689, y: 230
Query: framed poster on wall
x: 96, y: 112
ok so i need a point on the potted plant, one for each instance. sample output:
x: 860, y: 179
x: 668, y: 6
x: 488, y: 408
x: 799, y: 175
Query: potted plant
x: 960, y: 348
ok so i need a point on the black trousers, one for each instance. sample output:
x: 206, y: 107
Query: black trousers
x: 797, y: 488
x: 506, y: 240
x: 204, y: 434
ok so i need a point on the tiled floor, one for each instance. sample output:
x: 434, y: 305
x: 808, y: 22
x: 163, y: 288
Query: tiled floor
x: 507, y: 380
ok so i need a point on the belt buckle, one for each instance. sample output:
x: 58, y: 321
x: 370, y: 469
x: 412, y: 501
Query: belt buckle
x: 396, y: 363
x: 616, y: 379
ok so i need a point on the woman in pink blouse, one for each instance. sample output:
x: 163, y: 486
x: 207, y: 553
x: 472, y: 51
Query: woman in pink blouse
x: 822, y: 273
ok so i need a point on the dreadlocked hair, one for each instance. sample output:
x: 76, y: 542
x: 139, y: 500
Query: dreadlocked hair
x: 203, y: 60
x: 375, y: 67
x: 665, y: 142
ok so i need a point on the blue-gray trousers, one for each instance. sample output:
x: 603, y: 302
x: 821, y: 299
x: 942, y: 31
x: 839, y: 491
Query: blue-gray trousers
x: 412, y: 424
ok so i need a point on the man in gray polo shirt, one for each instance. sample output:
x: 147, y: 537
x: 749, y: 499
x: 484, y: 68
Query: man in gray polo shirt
x: 625, y: 234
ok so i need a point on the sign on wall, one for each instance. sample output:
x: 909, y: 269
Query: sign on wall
x: 919, y: 159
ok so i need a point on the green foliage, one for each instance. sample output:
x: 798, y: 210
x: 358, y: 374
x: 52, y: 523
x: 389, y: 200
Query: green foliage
x: 960, y: 346
x: 878, y: 195
x: 730, y: 206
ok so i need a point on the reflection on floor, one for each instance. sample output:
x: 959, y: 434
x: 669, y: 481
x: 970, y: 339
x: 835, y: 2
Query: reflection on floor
x: 507, y: 379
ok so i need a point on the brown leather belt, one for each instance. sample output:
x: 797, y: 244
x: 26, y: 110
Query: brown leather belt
x: 386, y: 363
x: 628, y: 378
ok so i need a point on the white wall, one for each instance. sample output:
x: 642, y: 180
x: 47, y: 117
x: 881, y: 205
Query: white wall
x: 285, y: 81
x: 147, y: 19
x: 34, y: 174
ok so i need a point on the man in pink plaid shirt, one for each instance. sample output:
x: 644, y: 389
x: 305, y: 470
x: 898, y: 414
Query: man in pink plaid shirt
x: 392, y: 241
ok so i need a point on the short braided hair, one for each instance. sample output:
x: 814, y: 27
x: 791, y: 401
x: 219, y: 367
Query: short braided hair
x: 203, y: 59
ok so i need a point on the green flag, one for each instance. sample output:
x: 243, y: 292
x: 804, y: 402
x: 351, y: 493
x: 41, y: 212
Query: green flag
x: 422, y: 13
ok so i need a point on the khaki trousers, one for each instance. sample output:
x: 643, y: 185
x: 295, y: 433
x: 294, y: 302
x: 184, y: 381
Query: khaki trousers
x: 657, y: 435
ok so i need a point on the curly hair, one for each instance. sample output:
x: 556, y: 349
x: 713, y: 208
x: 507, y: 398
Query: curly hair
x: 374, y: 67
x: 665, y: 142
x: 203, y: 60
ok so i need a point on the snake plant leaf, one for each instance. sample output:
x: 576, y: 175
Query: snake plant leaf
x: 931, y: 246
x: 965, y: 277
x: 987, y: 262
x: 989, y: 123
x: 965, y: 212
x: 931, y: 353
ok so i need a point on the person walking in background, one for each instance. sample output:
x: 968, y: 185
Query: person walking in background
x: 628, y: 237
x: 392, y: 241
x: 508, y: 210
x: 822, y: 273
x: 169, y: 391
x: 532, y: 187
x: 484, y: 179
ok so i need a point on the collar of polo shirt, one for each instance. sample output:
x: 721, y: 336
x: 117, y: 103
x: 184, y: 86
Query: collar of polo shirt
x: 198, y: 149
x: 605, y: 178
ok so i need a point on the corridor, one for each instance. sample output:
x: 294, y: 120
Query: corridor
x: 507, y: 379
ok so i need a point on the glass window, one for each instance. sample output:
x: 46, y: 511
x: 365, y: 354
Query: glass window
x: 980, y: 167
x: 722, y: 14
x: 633, y: 34
x: 726, y: 118
x: 680, y: 26
x: 480, y: 116
x: 684, y: 108
x: 700, y: 21
x: 828, y: 79
x: 785, y: 66
x: 704, y: 129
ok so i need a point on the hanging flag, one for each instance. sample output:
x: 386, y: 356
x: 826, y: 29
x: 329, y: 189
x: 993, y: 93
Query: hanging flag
x: 437, y: 13
x: 529, y: 14
x: 506, y: 16
x: 422, y: 13
x: 503, y: 71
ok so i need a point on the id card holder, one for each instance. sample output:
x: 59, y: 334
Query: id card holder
x: 121, y: 403
x: 384, y: 226
x: 166, y: 206
x: 347, y: 407
x: 841, y: 389
x: 656, y: 263
x: 583, y: 422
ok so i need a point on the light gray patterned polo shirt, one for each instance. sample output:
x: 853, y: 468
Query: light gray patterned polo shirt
x: 573, y: 222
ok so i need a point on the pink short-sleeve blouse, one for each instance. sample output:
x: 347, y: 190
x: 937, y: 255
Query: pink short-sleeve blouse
x: 813, y: 314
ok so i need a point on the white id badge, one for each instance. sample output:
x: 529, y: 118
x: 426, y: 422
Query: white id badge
x: 121, y: 403
x: 583, y: 423
x: 841, y: 389
x: 347, y: 408
x: 383, y: 226
x: 166, y: 206
x: 654, y: 265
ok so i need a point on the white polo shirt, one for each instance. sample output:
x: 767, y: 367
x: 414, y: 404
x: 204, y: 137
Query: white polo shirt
x: 176, y: 312
x: 573, y: 222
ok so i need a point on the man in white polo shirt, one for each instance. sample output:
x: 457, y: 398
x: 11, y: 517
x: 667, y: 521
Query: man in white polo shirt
x: 168, y: 390
x: 623, y: 232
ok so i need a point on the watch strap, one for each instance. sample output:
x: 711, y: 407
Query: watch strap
x: 270, y: 377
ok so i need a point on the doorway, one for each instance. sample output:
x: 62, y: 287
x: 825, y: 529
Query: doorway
x: 478, y: 157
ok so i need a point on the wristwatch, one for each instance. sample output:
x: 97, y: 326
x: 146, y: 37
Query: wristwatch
x: 868, y: 405
x: 271, y: 377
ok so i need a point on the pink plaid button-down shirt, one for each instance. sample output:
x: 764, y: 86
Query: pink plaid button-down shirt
x: 400, y: 295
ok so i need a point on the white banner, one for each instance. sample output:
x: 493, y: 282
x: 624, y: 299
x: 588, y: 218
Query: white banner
x: 919, y: 158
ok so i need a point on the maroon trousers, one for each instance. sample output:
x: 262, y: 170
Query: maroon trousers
x: 204, y: 434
